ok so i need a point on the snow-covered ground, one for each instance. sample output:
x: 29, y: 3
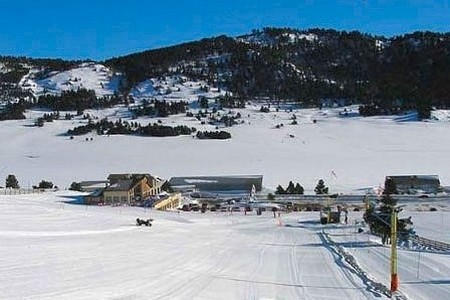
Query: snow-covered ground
x: 3, y: 68
x: 50, y: 249
x: 264, y: 39
x: 350, y: 153
x: 174, y: 88
x: 90, y: 76
x: 423, y: 274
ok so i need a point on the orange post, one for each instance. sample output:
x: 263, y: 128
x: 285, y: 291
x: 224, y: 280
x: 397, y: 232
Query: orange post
x: 394, y: 282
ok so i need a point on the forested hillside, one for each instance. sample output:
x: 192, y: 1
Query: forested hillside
x: 409, y: 71
x: 387, y: 75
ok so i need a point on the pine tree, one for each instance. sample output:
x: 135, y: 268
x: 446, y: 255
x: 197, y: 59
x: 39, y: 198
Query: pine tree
x: 387, y: 202
x: 299, y: 189
x: 280, y: 190
x: 379, y: 219
x: 291, y: 188
x: 390, y: 186
x: 387, y: 205
x: 11, y: 182
x: 203, y: 102
x: 321, y: 188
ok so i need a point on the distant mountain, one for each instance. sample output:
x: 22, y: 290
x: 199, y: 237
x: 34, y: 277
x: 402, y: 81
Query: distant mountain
x: 306, y: 66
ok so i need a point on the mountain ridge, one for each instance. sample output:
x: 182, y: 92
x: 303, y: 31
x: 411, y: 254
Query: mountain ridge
x: 305, y: 66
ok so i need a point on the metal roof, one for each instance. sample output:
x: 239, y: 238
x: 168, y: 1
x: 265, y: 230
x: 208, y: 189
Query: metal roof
x: 121, y: 185
x: 219, y: 183
x: 408, y: 178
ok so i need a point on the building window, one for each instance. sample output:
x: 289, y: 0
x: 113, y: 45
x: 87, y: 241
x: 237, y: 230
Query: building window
x: 123, y: 199
x: 116, y: 199
x: 108, y: 199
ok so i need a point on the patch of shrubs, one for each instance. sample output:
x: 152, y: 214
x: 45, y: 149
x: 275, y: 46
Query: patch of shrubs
x: 46, y: 118
x: 44, y: 185
x: 77, y: 100
x: 75, y: 186
x: 159, y: 109
x: 84, y: 129
x: 264, y: 109
x: 14, y: 111
x: 113, y: 128
x: 230, y: 102
x: 161, y: 130
x: 214, y: 135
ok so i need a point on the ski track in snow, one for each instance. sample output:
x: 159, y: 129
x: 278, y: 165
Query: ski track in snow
x: 214, y: 256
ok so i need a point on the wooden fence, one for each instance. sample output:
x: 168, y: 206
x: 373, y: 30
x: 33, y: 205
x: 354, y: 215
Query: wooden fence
x: 437, y: 245
x: 9, y: 191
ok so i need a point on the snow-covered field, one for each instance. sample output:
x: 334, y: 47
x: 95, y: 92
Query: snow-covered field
x: 350, y: 153
x: 50, y: 249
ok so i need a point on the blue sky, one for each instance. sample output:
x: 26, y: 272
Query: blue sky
x: 99, y: 29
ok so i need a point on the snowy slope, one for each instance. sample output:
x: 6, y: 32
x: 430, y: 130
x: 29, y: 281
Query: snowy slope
x: 262, y: 38
x: 90, y: 76
x: 423, y: 274
x: 173, y: 88
x: 3, y: 68
x: 440, y: 115
x: 54, y: 250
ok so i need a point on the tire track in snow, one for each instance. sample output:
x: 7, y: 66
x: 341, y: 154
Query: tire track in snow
x: 294, y: 266
x: 341, y: 256
x: 200, y: 278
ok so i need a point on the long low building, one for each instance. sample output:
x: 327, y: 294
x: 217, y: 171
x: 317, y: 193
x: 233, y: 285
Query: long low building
x: 235, y: 183
x: 409, y: 184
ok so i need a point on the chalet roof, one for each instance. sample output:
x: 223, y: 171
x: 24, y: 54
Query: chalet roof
x: 121, y: 185
x: 119, y: 176
x: 112, y: 177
